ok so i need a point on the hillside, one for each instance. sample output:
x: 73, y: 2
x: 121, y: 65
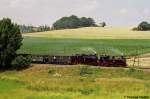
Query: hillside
x: 93, y: 33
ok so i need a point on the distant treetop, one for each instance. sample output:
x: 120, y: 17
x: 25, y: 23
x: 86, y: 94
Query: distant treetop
x: 143, y: 26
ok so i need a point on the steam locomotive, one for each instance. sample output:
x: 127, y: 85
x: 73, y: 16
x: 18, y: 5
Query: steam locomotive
x: 95, y: 60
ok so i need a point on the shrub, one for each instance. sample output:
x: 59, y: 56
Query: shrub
x: 21, y: 62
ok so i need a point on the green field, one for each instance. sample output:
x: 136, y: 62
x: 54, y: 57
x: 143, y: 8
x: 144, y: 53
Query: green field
x: 84, y: 46
x: 78, y: 82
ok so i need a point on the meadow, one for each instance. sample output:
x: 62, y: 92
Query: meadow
x: 76, y: 82
x: 32, y: 45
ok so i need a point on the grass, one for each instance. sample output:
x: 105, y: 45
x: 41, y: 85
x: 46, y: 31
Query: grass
x: 94, y: 33
x: 8, y: 86
x: 80, y: 46
x: 77, y: 82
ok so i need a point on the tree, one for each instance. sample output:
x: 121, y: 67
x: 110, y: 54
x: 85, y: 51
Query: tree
x: 144, y: 26
x: 83, y: 22
x: 67, y: 22
x: 10, y: 42
x: 73, y: 22
x: 86, y: 22
x: 91, y: 22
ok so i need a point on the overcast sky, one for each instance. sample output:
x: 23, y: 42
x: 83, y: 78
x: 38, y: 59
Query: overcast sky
x: 114, y: 12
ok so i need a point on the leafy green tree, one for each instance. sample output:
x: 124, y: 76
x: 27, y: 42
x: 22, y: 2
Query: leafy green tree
x: 87, y: 22
x: 10, y: 42
x: 144, y: 26
x: 73, y: 21
x: 84, y: 22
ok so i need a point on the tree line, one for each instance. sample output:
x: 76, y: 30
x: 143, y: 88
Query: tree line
x: 73, y: 22
x: 70, y: 22
x: 30, y: 28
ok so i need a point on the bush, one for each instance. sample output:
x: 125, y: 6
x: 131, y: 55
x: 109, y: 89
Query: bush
x: 21, y: 62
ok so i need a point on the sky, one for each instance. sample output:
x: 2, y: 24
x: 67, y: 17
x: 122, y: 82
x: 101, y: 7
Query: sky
x: 40, y: 12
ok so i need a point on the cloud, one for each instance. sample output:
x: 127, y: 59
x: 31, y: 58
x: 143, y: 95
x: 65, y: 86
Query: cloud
x: 22, y: 3
x: 90, y: 5
x: 123, y: 11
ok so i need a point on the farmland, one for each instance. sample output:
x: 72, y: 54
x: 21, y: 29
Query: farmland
x: 111, y: 41
x: 94, y: 33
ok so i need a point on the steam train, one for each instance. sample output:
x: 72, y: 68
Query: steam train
x: 94, y: 60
